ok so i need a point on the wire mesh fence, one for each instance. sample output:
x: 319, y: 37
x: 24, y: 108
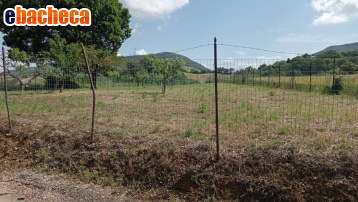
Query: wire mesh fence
x: 262, y: 103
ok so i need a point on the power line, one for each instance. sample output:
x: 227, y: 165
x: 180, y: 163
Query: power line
x: 236, y: 46
x: 260, y: 49
x: 196, y: 47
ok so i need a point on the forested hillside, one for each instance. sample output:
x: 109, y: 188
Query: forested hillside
x: 164, y: 55
x: 341, y: 48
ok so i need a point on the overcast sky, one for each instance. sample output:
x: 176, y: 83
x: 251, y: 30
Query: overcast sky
x: 293, y: 26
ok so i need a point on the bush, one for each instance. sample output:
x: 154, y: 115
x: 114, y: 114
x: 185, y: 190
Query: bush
x: 336, y: 87
x: 202, y: 108
x: 272, y: 93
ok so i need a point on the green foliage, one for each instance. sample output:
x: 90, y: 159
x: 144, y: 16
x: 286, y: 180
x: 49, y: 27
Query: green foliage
x: 272, y: 93
x: 202, y: 107
x: 336, y: 88
x: 110, y: 26
x: 337, y: 85
x: 157, y: 128
x: 155, y: 97
x: 26, y: 68
x: 341, y: 48
x: 189, y: 132
x: 167, y: 55
x: 283, y: 130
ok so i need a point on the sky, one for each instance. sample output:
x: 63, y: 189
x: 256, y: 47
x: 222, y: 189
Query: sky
x: 288, y: 26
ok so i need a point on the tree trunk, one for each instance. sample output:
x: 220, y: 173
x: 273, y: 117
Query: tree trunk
x: 56, y: 85
x: 63, y: 83
x: 164, y: 85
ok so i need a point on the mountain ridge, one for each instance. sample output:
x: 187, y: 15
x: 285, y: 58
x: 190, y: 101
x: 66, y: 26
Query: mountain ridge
x: 340, y: 48
x: 164, y: 55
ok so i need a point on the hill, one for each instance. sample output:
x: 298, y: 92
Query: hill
x: 190, y: 64
x: 340, y: 48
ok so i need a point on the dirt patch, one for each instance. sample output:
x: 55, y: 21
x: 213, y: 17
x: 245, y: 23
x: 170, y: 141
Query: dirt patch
x: 158, y: 168
x: 33, y: 186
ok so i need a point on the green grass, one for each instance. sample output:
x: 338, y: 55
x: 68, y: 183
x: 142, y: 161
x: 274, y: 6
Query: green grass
x: 188, y: 111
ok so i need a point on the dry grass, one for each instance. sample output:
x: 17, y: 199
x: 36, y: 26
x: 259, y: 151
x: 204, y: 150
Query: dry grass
x: 319, y: 80
x: 202, y: 78
x: 254, y: 117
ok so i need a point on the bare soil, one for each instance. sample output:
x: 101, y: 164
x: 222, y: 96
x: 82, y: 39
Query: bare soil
x: 28, y: 185
x: 155, y: 167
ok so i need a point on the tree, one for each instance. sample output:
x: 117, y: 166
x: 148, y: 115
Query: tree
x: 175, y: 69
x: 148, y: 62
x: 168, y: 69
x: 26, y: 69
x: 330, y: 54
x: 65, y: 57
x: 109, y: 29
x: 141, y: 76
x: 138, y: 72
x: 101, y: 61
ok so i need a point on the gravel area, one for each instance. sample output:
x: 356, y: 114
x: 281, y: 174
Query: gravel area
x: 32, y: 186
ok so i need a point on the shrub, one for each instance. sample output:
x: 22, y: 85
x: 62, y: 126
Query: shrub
x: 202, y: 107
x: 337, y: 85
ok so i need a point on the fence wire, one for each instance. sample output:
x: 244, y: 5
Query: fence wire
x: 262, y: 103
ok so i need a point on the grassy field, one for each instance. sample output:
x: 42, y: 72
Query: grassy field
x: 315, y: 79
x: 162, y: 147
x: 202, y: 78
x: 255, y: 116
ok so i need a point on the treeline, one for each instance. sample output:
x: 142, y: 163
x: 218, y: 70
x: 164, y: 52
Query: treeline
x: 327, y: 62
x: 154, y: 70
x: 330, y: 66
x: 63, y: 67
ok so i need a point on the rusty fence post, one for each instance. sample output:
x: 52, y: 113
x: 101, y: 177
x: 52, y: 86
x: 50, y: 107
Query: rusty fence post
x: 5, y: 89
x: 216, y: 101
x: 93, y: 92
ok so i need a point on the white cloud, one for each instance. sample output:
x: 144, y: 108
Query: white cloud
x: 240, y: 53
x: 135, y: 28
x: 119, y: 55
x: 159, y: 28
x: 335, y: 11
x: 267, y: 58
x: 141, y: 52
x: 261, y: 57
x: 301, y: 38
x: 153, y: 9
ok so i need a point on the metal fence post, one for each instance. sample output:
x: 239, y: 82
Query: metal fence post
x: 5, y: 88
x: 260, y: 76
x: 216, y: 101
x: 334, y: 69
x: 253, y: 77
x: 311, y: 76
x: 279, y: 76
